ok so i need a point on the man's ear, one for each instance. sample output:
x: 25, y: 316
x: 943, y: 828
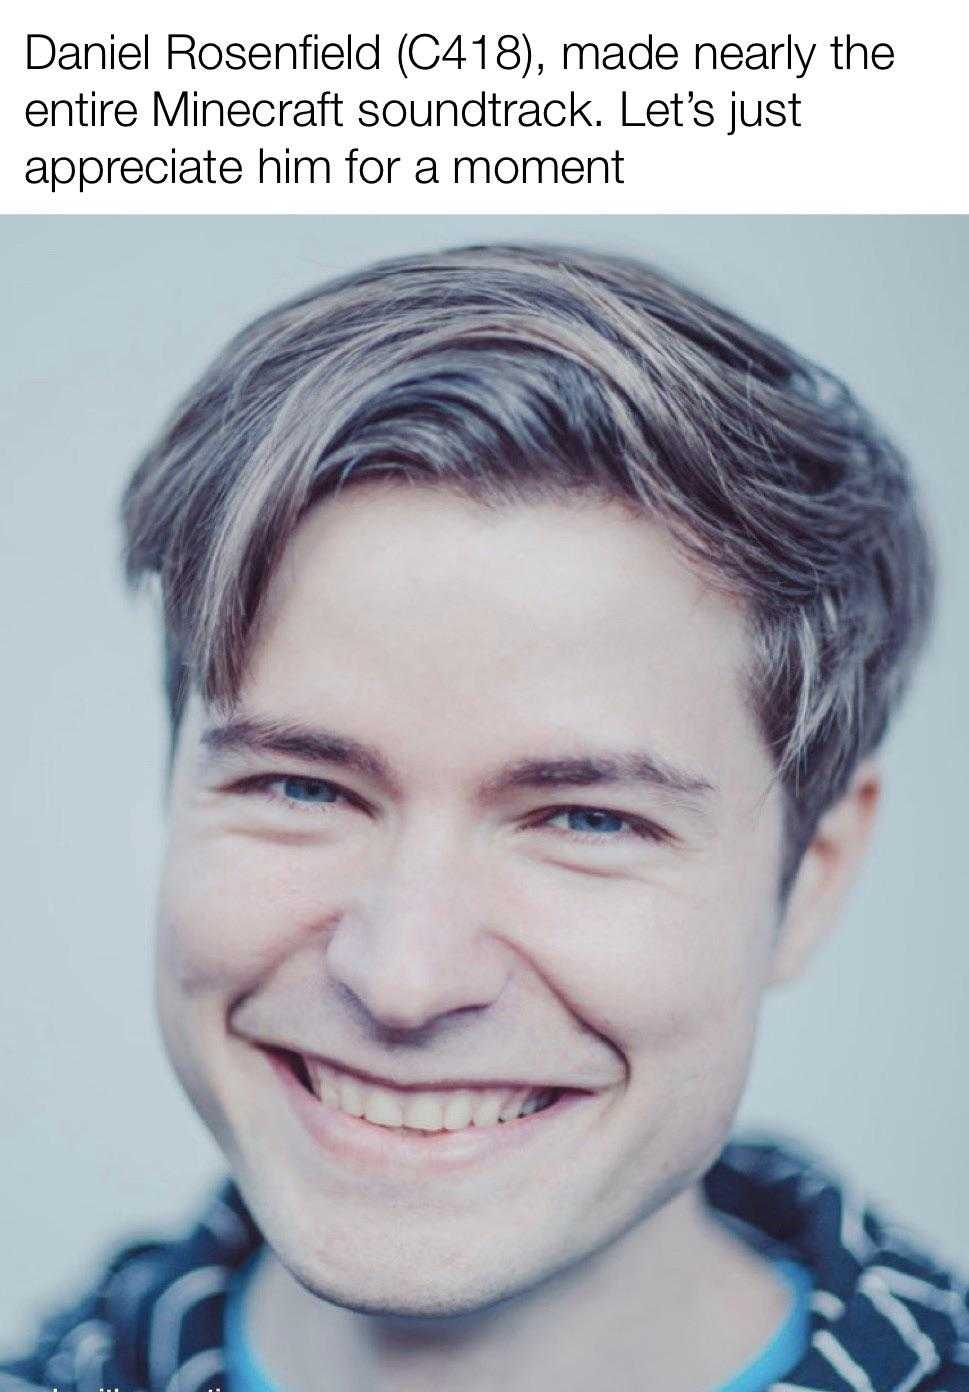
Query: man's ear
x: 826, y: 873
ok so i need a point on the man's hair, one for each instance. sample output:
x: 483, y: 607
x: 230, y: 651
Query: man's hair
x: 518, y: 372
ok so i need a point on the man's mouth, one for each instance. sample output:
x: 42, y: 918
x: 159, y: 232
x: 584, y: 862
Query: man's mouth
x: 416, y: 1109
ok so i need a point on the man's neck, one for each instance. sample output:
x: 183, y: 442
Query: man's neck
x: 679, y: 1298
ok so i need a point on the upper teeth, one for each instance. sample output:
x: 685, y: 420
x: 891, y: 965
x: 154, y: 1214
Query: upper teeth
x: 450, y: 1110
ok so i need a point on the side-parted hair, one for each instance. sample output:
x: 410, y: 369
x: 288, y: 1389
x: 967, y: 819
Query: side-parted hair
x: 517, y: 372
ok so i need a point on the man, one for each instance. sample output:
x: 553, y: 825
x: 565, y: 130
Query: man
x: 532, y: 626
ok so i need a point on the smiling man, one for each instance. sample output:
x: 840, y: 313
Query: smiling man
x: 532, y: 627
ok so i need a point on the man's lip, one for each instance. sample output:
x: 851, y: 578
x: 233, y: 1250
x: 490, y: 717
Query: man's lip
x: 414, y: 1155
x: 437, y: 1084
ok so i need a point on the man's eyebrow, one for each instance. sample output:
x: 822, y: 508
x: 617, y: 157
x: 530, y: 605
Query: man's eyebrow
x: 601, y: 770
x: 319, y: 746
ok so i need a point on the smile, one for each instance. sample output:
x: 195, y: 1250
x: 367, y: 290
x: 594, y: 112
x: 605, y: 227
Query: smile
x: 419, y: 1109
x: 377, y: 1125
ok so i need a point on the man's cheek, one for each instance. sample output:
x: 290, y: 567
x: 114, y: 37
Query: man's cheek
x: 691, y: 1053
x: 225, y: 919
x: 687, y: 1027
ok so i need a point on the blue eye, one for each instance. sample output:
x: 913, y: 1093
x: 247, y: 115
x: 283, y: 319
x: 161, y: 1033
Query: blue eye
x: 592, y: 819
x: 311, y: 790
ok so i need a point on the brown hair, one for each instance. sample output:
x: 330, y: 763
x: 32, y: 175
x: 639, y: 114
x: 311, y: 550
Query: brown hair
x: 511, y: 371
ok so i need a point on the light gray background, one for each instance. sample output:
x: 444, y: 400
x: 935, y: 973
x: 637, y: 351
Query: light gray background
x: 107, y: 321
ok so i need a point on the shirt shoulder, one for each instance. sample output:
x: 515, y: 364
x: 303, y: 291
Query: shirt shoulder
x: 154, y: 1308
x: 886, y: 1314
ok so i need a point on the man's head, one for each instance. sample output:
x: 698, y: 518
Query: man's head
x: 531, y: 623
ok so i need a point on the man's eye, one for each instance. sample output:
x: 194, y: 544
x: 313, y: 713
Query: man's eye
x: 301, y: 793
x: 308, y: 790
x: 598, y: 823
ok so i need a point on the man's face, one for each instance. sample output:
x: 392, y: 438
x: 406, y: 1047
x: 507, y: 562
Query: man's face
x: 491, y: 824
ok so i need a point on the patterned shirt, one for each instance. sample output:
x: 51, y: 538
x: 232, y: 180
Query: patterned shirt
x: 885, y: 1317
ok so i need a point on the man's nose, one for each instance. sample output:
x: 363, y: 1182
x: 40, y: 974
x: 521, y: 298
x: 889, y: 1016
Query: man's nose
x: 417, y: 944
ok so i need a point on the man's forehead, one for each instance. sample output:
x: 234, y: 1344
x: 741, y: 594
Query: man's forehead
x: 540, y: 632
x: 538, y: 565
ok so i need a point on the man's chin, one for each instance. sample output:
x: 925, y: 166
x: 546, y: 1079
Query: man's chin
x: 402, y: 1292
